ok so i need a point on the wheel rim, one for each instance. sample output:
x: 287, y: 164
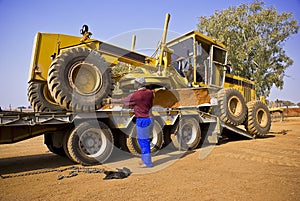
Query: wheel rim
x: 92, y: 142
x: 188, y: 133
x: 154, y: 139
x: 235, y: 106
x: 85, y: 78
x: 262, y: 118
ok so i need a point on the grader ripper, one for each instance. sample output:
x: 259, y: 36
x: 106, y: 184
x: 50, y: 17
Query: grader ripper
x: 71, y: 78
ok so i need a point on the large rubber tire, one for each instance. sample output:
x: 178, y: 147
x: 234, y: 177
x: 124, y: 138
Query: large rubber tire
x: 90, y: 143
x: 79, y: 79
x: 232, y: 107
x: 58, y: 151
x: 187, y: 135
x: 49, y: 141
x: 122, y: 137
x: 259, y: 119
x: 155, y: 143
x: 40, y: 98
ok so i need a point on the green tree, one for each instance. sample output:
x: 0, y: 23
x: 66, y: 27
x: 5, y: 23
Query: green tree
x: 287, y: 103
x: 255, y: 37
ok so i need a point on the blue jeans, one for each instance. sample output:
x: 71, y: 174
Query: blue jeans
x: 143, y: 128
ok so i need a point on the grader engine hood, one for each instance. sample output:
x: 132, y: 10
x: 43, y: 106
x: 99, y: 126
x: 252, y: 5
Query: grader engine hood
x: 154, y: 79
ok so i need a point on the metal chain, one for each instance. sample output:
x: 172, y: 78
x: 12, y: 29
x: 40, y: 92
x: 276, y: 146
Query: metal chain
x: 76, y: 170
x: 73, y: 172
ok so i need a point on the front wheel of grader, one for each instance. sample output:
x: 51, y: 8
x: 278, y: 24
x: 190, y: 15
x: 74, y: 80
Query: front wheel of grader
x: 79, y: 79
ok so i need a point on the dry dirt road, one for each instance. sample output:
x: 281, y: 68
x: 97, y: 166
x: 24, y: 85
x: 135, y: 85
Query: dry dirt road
x: 260, y: 169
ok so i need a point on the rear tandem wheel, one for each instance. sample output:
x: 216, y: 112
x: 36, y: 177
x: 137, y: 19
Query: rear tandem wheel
x: 40, y: 98
x: 259, y: 119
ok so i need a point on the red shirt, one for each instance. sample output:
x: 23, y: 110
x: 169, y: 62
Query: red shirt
x: 141, y: 100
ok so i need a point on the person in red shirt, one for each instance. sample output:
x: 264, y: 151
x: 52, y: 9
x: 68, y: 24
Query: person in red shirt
x: 142, y: 100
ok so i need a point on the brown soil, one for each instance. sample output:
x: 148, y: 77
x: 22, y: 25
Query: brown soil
x: 260, y: 169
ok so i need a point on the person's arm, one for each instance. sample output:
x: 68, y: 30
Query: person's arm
x: 114, y: 100
x: 128, y: 101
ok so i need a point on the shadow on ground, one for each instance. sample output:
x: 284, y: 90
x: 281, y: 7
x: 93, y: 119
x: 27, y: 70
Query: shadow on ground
x: 32, y: 163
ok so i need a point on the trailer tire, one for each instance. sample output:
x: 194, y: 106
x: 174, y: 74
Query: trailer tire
x: 90, y: 143
x: 40, y: 98
x: 258, y: 121
x: 232, y: 107
x: 123, y: 142
x: 155, y: 143
x: 48, y: 139
x: 58, y: 151
x: 79, y: 79
x: 187, y: 135
x: 65, y: 145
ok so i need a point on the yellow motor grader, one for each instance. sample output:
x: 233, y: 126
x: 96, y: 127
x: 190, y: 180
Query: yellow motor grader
x: 70, y: 73
x: 74, y: 74
x: 71, y: 78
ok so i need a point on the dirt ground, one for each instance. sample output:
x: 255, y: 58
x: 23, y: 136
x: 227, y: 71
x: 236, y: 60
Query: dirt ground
x: 259, y: 169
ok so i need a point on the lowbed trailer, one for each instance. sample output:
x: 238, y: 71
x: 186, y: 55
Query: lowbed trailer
x: 89, y: 138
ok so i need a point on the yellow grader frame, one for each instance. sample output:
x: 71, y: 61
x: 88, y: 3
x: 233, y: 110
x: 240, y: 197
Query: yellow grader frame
x: 74, y: 74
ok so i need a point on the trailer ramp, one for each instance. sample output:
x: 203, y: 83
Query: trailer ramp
x: 237, y: 131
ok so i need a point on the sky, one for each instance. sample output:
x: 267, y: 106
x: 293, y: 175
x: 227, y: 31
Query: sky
x: 20, y: 20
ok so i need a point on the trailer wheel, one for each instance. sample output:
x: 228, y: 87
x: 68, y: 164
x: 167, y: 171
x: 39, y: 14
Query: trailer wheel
x: 259, y: 119
x: 40, y: 98
x: 79, y: 79
x: 188, y: 134
x: 155, y: 144
x: 123, y: 141
x: 232, y: 107
x: 58, y: 151
x: 90, y: 143
x: 49, y: 140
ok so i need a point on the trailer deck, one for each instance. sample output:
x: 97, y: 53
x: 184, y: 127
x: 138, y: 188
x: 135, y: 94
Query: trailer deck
x: 17, y: 126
